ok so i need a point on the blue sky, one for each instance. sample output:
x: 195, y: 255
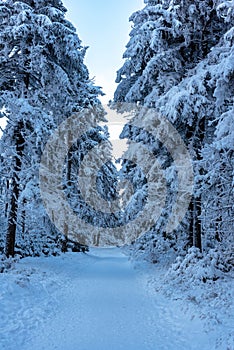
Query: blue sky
x: 104, y: 26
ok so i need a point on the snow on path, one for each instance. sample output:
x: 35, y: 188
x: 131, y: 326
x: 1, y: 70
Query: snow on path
x: 99, y: 302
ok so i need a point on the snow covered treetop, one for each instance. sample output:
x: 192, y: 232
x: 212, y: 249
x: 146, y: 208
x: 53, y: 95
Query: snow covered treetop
x: 41, y: 57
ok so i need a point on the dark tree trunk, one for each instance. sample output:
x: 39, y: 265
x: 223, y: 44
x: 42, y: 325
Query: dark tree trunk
x: 198, y: 199
x: 197, y: 228
x: 191, y: 225
x: 195, y: 208
x: 6, y: 194
x: 13, y: 210
x: 23, y: 218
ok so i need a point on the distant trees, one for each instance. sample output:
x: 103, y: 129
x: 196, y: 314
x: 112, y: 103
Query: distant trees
x: 179, y: 60
x: 43, y: 81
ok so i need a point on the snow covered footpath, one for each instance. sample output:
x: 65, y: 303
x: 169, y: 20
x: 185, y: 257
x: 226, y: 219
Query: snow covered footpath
x: 94, y: 301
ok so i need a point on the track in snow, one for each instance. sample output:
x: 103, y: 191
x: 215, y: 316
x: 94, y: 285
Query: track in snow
x: 102, y: 303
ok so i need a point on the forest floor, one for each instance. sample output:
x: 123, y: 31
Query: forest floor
x: 98, y: 301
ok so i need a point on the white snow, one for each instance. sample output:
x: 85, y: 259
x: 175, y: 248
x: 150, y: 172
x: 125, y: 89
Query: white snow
x: 98, y: 301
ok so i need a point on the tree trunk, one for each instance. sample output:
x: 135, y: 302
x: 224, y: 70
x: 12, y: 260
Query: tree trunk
x: 197, y: 228
x: 6, y: 194
x: 23, y: 224
x: 12, y: 216
x: 195, y: 208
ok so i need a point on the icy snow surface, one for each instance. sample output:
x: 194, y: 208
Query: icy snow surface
x: 94, y: 301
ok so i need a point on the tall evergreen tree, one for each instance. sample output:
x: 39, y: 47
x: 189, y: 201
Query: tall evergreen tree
x: 172, y: 58
x: 43, y: 81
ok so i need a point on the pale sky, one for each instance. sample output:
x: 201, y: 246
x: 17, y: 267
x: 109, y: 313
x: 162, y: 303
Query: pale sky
x: 104, y: 26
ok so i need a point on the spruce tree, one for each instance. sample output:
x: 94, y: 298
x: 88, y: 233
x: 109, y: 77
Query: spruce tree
x: 43, y: 81
x: 172, y: 58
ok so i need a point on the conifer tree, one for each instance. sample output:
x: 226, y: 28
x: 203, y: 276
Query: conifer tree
x: 43, y: 81
x: 178, y: 61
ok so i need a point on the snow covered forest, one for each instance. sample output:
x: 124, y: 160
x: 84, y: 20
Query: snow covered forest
x: 179, y: 64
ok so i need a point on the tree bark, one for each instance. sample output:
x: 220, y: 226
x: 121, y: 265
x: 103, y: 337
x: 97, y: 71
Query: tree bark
x: 12, y: 216
x: 197, y: 228
x: 6, y: 194
x: 195, y: 208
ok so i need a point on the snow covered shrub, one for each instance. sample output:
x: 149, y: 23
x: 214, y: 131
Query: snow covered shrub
x: 155, y: 248
x: 195, y: 268
x: 7, y: 263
